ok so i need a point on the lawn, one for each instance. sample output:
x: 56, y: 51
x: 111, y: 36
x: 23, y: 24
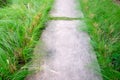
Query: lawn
x: 21, y: 24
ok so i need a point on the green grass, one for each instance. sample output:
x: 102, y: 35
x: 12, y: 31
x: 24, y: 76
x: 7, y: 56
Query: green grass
x: 21, y: 24
x: 103, y: 20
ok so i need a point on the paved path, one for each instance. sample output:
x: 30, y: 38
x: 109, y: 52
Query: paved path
x: 70, y: 56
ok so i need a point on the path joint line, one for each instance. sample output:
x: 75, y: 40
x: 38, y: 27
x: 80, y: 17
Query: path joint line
x: 65, y: 18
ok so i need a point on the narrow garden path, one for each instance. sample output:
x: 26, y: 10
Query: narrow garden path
x: 70, y: 56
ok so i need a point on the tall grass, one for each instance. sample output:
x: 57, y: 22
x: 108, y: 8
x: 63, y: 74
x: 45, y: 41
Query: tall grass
x: 103, y: 21
x: 21, y: 24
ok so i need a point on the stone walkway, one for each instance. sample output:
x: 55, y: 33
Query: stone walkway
x: 69, y: 54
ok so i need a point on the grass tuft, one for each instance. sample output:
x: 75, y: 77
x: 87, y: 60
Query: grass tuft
x: 102, y: 18
x: 21, y: 24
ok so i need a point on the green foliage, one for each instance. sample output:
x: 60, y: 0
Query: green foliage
x: 3, y: 3
x: 103, y: 20
x: 21, y: 24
